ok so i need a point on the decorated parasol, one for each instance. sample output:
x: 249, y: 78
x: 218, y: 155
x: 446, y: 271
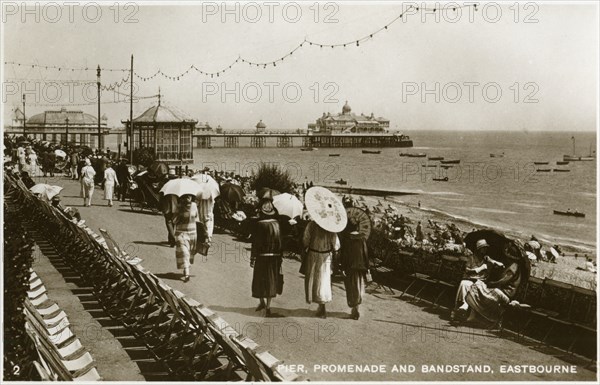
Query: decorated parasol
x: 361, y: 219
x: 288, y: 205
x: 326, y: 209
x: 181, y: 187
x: 210, y: 187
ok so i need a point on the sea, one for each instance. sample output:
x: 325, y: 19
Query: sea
x: 506, y: 193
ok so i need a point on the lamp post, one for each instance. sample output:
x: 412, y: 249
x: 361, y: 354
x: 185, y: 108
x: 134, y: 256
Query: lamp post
x: 67, y: 130
x: 24, y: 118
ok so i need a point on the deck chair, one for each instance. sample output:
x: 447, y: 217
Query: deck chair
x: 114, y: 248
x: 256, y: 369
x: 228, y: 354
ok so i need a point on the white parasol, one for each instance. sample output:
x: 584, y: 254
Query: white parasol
x: 181, y: 187
x: 326, y: 209
x: 288, y: 205
x: 46, y: 189
x: 209, y: 186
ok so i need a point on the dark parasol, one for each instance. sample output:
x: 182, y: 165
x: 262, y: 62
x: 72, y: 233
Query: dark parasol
x: 232, y: 193
x: 158, y: 169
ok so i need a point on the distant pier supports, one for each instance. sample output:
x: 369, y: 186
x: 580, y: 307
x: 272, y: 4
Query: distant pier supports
x: 204, y: 142
x: 258, y: 141
x: 231, y: 141
x: 285, y: 141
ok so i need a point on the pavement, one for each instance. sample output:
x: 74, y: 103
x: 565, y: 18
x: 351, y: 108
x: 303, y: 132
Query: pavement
x: 394, y: 340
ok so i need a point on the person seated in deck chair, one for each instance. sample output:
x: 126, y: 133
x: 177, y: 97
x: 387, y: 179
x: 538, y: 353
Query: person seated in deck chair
x: 69, y: 212
x: 478, y: 269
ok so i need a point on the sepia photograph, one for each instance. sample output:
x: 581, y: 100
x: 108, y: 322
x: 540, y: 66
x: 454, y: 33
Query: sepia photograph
x: 294, y: 191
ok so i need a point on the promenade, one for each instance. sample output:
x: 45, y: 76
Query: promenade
x: 390, y: 331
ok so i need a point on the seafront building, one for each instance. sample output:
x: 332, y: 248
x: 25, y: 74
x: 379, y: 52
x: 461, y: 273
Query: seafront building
x: 55, y: 125
x: 348, y: 122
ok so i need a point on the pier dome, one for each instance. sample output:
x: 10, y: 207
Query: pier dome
x: 346, y: 109
x: 260, y: 126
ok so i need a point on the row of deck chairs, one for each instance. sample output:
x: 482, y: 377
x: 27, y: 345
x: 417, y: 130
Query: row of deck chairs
x: 557, y: 314
x: 62, y: 357
x: 551, y: 312
x: 189, y: 340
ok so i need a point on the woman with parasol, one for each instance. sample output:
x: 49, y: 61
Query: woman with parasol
x: 266, y: 258
x: 185, y: 234
x: 354, y: 258
x: 320, y: 242
x: 184, y: 221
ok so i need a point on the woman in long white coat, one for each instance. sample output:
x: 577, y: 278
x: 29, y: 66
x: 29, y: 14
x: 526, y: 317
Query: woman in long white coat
x: 110, y: 180
x: 87, y: 182
x: 320, y: 245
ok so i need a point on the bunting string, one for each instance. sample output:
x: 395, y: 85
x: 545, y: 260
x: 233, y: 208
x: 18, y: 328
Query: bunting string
x: 264, y: 64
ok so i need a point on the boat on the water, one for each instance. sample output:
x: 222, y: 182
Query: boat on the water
x: 561, y: 163
x: 570, y: 213
x: 436, y: 158
x: 561, y: 170
x: 447, y: 166
x: 334, y: 154
x: 543, y: 170
x: 540, y: 163
x: 419, y: 155
x: 572, y: 158
x: 307, y: 149
x: 577, y: 158
x: 429, y: 165
x: 444, y: 179
x: 497, y: 155
x: 455, y: 161
x: 341, y: 182
x: 371, y: 152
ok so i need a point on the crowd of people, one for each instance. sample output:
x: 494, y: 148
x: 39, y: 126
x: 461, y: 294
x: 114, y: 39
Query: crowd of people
x: 488, y: 283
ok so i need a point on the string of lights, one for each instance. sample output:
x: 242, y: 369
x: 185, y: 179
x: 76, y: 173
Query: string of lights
x: 306, y: 42
x: 62, y: 68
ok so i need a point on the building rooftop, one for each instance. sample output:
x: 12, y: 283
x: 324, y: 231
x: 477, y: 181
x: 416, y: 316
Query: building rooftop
x: 163, y: 114
x: 60, y: 118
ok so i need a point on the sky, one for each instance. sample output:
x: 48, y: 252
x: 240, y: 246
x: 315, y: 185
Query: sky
x: 532, y: 67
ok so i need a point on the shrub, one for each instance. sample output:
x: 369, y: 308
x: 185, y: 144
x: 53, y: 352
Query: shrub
x: 274, y: 177
x: 144, y: 156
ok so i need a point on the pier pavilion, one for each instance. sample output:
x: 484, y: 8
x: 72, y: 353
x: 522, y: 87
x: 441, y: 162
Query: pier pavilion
x: 54, y: 126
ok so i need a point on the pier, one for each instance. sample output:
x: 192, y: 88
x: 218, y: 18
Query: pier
x: 286, y: 140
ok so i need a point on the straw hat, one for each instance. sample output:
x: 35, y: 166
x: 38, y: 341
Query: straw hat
x: 481, y: 243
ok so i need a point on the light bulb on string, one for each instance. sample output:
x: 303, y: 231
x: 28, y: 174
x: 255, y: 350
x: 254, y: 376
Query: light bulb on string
x: 357, y: 44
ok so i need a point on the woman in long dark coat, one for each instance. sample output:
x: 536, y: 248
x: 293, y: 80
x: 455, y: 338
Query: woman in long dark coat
x: 354, y: 258
x: 266, y: 257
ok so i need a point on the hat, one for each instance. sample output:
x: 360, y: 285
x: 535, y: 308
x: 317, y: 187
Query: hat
x: 267, y: 208
x: 481, y: 243
x: 205, y: 169
x: 56, y: 198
